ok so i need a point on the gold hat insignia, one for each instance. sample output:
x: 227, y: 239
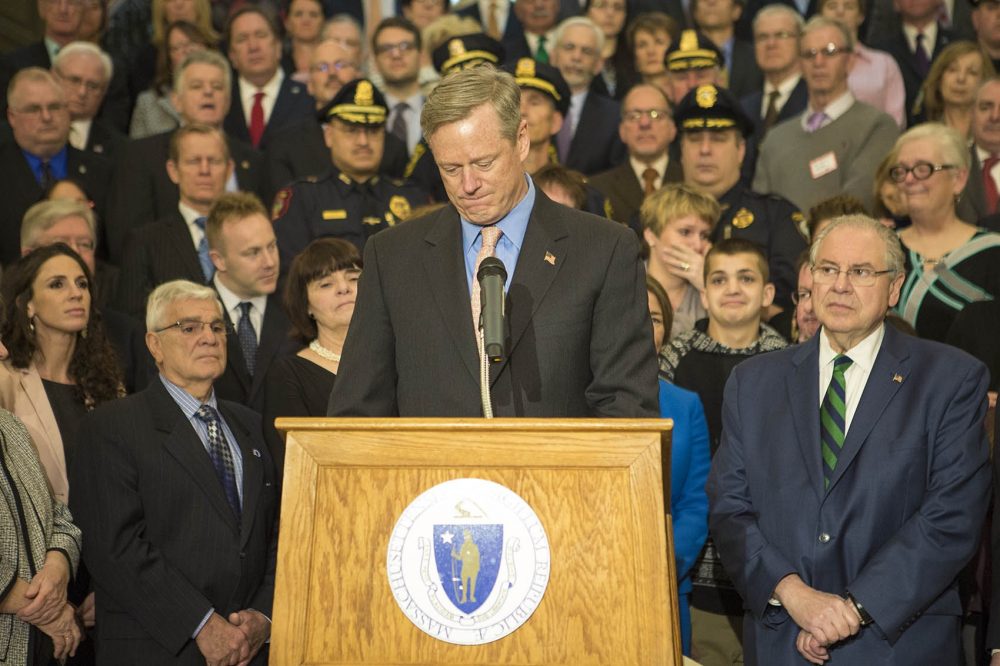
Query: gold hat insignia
x: 525, y: 68
x: 365, y: 94
x: 456, y: 48
x: 706, y: 96
x: 689, y: 41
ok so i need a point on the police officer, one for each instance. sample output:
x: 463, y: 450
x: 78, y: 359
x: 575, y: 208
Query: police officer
x: 713, y: 131
x: 352, y: 201
x: 454, y: 55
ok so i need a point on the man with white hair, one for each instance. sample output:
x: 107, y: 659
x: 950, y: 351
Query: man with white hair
x: 84, y: 71
x: 588, y: 139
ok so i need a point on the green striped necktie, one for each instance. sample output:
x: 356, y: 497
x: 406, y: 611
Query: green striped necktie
x: 832, y: 422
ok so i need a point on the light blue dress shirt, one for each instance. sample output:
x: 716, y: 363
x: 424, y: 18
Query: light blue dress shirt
x: 513, y: 225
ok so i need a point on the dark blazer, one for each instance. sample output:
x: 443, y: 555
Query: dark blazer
x: 293, y: 103
x: 274, y: 341
x: 971, y: 205
x: 624, y: 191
x: 104, y: 139
x: 595, y: 146
x: 128, y: 336
x: 21, y: 191
x: 579, y: 344
x: 905, y: 503
x: 143, y: 191
x: 751, y: 103
x: 162, y: 544
x: 896, y: 45
x: 744, y: 74
x: 156, y: 253
x: 514, y: 44
x: 883, y: 19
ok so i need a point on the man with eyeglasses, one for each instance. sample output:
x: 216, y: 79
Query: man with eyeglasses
x: 853, y: 477
x: 978, y: 203
x: 397, y: 45
x: 178, y: 494
x: 40, y: 154
x: 352, y: 200
x: 835, y: 146
x: 84, y: 71
x: 646, y: 129
x: 588, y: 138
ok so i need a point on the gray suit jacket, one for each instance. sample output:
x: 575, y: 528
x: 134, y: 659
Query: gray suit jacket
x: 579, y: 343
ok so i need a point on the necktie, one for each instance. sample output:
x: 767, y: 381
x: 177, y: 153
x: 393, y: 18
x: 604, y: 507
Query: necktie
x: 541, y: 55
x: 832, y: 417
x: 649, y: 181
x: 221, y: 455
x: 492, y: 21
x: 564, y: 139
x: 491, y: 236
x: 399, y: 122
x: 48, y: 179
x: 257, y: 119
x: 816, y: 121
x: 920, y: 58
x: 207, y: 268
x: 248, y: 339
x: 990, y: 185
x: 771, y: 115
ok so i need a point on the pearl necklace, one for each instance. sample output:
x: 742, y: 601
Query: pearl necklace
x: 323, y: 352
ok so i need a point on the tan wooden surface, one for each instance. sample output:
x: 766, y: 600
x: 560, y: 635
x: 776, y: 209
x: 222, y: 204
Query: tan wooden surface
x: 595, y: 486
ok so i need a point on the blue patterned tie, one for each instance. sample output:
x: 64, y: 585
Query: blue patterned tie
x: 206, y: 262
x: 248, y: 339
x: 832, y: 418
x: 221, y: 455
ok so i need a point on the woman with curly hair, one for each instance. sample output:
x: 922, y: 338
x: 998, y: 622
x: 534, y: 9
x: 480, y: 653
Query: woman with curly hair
x: 61, y: 364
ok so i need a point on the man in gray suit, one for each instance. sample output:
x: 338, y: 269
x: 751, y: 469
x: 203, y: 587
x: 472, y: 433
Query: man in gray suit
x: 580, y: 338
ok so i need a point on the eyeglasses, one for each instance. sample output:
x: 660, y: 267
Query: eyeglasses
x: 828, y: 51
x: 90, y: 86
x: 191, y: 328
x: 801, y: 295
x: 36, y: 109
x: 859, y: 277
x: 402, y: 47
x: 779, y: 35
x: 638, y: 114
x: 327, y: 67
x: 920, y: 171
x: 569, y: 47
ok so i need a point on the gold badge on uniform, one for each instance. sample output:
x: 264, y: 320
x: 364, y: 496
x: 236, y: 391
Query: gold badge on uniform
x: 364, y: 95
x: 335, y: 214
x: 742, y: 219
x: 706, y: 96
x: 456, y: 48
x: 525, y: 68
x: 399, y: 206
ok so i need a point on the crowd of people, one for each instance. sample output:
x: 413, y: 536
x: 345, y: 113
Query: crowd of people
x: 222, y: 212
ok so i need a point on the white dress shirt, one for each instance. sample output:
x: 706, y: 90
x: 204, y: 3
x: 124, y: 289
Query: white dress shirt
x: 270, y: 90
x: 930, y: 37
x: 415, y: 105
x: 190, y: 215
x: 856, y: 376
x: 784, y: 89
x: 231, y: 302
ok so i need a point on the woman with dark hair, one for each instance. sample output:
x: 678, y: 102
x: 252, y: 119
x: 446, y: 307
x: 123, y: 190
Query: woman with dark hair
x: 319, y: 296
x: 649, y: 36
x: 618, y: 72
x: 303, y: 25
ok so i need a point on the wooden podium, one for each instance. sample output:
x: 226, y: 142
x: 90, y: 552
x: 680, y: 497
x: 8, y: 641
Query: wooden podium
x: 595, y: 485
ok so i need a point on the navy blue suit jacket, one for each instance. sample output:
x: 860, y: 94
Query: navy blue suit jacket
x: 596, y: 146
x: 293, y: 103
x: 902, y: 515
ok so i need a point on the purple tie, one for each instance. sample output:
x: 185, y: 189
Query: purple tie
x: 920, y: 59
x: 815, y: 121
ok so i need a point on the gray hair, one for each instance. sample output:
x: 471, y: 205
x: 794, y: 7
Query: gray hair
x: 581, y: 21
x: 951, y: 144
x: 817, y: 22
x: 45, y: 214
x: 169, y: 293
x: 204, y: 57
x: 461, y: 93
x: 894, y: 259
x: 36, y: 75
x: 778, y: 9
x: 88, y: 49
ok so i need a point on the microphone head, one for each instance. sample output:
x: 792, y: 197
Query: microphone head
x: 491, y: 266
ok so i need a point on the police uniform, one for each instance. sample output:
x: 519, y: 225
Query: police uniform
x: 335, y: 205
x: 768, y: 220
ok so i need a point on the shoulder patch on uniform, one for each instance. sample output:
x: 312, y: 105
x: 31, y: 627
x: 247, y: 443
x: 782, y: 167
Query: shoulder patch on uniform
x: 742, y: 219
x: 399, y: 206
x: 281, y: 201
x: 338, y: 214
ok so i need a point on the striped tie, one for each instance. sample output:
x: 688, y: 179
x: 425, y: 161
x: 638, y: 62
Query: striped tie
x: 831, y: 418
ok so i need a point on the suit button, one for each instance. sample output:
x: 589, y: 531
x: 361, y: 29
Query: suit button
x: 824, y: 538
x: 242, y: 554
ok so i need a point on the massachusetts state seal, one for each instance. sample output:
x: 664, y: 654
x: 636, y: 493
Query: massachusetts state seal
x: 468, y: 561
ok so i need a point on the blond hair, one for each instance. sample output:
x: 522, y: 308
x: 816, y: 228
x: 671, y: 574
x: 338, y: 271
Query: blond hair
x: 461, y: 93
x: 674, y: 201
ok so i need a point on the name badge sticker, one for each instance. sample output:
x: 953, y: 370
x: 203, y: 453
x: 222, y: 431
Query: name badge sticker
x: 822, y: 165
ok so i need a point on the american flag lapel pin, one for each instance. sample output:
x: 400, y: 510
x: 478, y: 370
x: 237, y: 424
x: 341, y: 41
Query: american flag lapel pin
x: 550, y: 258
x: 898, y: 378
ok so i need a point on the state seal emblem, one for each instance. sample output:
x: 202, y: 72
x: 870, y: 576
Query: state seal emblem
x: 468, y: 561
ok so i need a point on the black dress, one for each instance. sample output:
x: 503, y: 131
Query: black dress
x: 294, y: 387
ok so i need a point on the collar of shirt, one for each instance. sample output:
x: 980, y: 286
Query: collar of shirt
x: 983, y: 155
x: 930, y: 37
x: 727, y: 53
x: 502, y: 11
x: 513, y: 225
x: 532, y: 40
x: 576, y: 102
x: 833, y: 110
x: 784, y: 89
x: 270, y: 90
x: 80, y: 131
x: 231, y: 302
x: 415, y: 104
x: 190, y: 215
x: 187, y: 402
x: 660, y: 165
x: 58, y: 163
x: 863, y: 360
x: 52, y: 46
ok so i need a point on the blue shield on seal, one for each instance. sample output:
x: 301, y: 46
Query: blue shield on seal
x: 468, y: 562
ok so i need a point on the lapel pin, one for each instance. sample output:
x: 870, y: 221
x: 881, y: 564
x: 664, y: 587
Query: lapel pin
x: 82, y: 169
x: 245, y: 164
x: 256, y: 453
x: 898, y: 378
x: 550, y: 258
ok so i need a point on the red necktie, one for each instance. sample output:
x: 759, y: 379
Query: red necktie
x: 257, y: 119
x: 990, y: 185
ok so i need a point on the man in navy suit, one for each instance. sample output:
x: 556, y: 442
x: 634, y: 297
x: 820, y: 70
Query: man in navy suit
x: 845, y: 509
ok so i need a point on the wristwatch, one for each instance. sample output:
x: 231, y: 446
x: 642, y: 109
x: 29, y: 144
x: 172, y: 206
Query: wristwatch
x: 866, y: 619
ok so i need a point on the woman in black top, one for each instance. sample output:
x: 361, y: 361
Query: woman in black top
x: 319, y: 296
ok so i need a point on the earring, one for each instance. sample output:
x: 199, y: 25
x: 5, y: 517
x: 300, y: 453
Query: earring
x: 31, y: 324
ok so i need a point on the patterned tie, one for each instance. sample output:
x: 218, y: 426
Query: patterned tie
x: 248, y: 339
x: 920, y: 58
x: 399, y: 123
x: 771, y: 115
x: 990, y: 185
x: 207, y: 268
x: 832, y: 422
x: 816, y: 121
x: 649, y: 181
x: 491, y: 236
x: 221, y: 455
x: 257, y: 119
x: 48, y: 178
x: 541, y: 55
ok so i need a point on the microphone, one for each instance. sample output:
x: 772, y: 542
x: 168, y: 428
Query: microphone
x: 492, y: 276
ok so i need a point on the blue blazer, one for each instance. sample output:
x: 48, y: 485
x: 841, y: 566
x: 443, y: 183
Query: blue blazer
x: 900, y: 519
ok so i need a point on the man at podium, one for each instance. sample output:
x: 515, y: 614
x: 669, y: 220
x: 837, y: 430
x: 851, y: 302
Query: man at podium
x: 579, y: 338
